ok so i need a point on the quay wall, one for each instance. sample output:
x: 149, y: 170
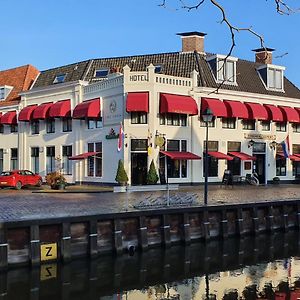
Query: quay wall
x: 33, y: 242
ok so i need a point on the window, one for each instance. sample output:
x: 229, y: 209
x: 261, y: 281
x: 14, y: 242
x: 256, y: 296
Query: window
x: 35, y: 164
x: 234, y: 165
x: 67, y: 124
x: 92, y: 124
x: 1, y: 128
x: 138, y: 117
x: 4, y: 91
x: 139, y: 145
x: 176, y: 168
x: 212, y: 161
x: 296, y: 164
x: 210, y: 124
x: 248, y: 124
x: 280, y: 166
x: 35, y: 127
x: 60, y: 78
x: 281, y: 126
x: 265, y: 125
x: 50, y: 159
x: 95, y: 161
x: 173, y: 119
x: 158, y: 68
x: 66, y: 163
x: 234, y: 146
x: 50, y: 125
x: 296, y: 128
x: 101, y: 73
x: 275, y: 78
x: 1, y: 160
x: 228, y: 123
x: 14, y: 158
x: 13, y: 128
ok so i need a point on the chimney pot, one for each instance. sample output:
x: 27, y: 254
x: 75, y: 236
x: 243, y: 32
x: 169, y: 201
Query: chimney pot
x: 192, y: 41
x: 263, y: 55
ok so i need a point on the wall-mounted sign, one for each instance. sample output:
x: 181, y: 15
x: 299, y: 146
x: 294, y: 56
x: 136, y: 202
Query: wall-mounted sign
x: 48, y: 252
x: 138, y: 77
x: 259, y: 136
x: 112, y: 110
x: 112, y: 135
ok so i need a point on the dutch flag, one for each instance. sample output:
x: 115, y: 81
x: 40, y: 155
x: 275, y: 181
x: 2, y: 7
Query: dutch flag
x: 286, y: 147
x: 121, y: 138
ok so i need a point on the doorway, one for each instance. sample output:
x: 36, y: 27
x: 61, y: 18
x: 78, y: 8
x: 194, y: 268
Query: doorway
x: 139, y: 168
x: 259, y: 166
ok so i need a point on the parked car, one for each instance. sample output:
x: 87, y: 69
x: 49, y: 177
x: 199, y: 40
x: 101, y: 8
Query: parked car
x: 19, y: 178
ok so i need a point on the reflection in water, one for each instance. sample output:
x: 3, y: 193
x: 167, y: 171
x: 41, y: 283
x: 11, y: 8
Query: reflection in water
x: 264, y: 267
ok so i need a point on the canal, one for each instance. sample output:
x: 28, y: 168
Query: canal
x: 260, y: 267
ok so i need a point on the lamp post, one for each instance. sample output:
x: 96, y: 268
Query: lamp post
x: 207, y: 116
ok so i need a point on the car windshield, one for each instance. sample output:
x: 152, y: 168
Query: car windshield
x: 6, y: 173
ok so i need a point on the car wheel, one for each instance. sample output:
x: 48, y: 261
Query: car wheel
x: 39, y: 183
x: 18, y: 185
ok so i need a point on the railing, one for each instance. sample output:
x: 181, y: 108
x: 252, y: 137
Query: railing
x: 104, y: 84
x: 172, y: 80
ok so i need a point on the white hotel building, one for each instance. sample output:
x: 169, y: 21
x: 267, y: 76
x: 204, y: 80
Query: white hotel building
x: 72, y: 112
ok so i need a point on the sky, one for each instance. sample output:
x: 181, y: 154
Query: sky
x: 53, y: 33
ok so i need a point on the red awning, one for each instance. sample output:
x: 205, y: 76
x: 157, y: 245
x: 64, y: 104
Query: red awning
x: 274, y: 113
x: 242, y: 155
x: 42, y: 111
x: 180, y: 155
x: 256, y: 111
x: 87, y: 110
x: 236, y: 109
x: 25, y: 114
x: 216, y: 106
x: 290, y: 114
x: 137, y: 102
x: 177, y: 104
x: 83, y: 155
x: 60, y: 109
x: 294, y: 157
x: 9, y: 118
x: 220, y: 155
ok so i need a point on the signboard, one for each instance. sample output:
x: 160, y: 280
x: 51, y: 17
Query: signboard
x: 259, y: 136
x: 48, y: 252
x: 48, y: 272
x: 112, y: 110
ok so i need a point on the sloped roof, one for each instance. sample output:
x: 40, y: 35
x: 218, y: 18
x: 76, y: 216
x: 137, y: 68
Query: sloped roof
x: 176, y: 64
x: 21, y: 79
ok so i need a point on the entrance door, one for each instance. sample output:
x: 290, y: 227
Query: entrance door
x: 139, y: 168
x: 259, y: 166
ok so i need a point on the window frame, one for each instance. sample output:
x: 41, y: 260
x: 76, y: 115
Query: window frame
x: 170, y: 119
x: 95, y: 163
x: 140, y: 116
x: 50, y: 124
x: 249, y: 124
x: 60, y: 78
x: 67, y: 125
x: 227, y: 121
x: 34, y: 127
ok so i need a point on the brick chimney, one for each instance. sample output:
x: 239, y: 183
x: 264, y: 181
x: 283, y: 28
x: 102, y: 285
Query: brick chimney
x: 263, y: 55
x: 192, y: 41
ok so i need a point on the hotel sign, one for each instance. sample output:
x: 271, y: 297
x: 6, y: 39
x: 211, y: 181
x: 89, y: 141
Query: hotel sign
x: 138, y: 77
x: 259, y: 136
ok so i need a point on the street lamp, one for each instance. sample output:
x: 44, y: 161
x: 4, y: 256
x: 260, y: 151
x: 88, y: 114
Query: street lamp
x: 207, y: 116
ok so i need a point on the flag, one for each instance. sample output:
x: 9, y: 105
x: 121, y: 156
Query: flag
x: 121, y: 138
x: 285, y: 144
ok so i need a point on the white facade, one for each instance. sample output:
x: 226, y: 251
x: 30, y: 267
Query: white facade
x: 112, y: 93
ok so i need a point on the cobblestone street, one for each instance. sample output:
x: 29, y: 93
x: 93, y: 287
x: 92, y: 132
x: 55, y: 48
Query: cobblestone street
x: 22, y: 205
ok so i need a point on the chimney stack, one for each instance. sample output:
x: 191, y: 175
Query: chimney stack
x: 263, y: 55
x: 192, y: 41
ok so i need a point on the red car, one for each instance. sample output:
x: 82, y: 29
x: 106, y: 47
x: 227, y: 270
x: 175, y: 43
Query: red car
x: 19, y: 178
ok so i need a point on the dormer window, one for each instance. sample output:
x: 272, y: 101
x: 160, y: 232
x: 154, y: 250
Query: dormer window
x: 60, y: 78
x: 101, y: 73
x: 272, y: 77
x: 223, y: 68
x: 4, y: 91
x: 158, y: 68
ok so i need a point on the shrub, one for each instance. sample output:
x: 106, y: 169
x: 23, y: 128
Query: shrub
x: 54, y: 179
x: 121, y: 176
x: 152, y: 176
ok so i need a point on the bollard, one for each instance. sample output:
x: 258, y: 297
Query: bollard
x: 35, y: 253
x: 93, y: 238
x: 66, y: 243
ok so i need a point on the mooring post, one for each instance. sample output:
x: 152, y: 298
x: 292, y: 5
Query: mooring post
x: 142, y: 233
x: 3, y: 247
x: 35, y: 253
x: 239, y: 221
x: 118, y: 242
x: 285, y: 218
x: 224, y: 224
x: 186, y: 229
x: 270, y: 219
x: 66, y: 242
x: 93, y: 238
x: 205, y: 224
x: 255, y: 220
x: 166, y: 238
x: 298, y: 215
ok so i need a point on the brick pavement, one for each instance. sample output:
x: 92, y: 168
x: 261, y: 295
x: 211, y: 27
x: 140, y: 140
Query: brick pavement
x: 24, y: 205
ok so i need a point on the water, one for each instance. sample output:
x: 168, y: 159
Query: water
x: 265, y: 267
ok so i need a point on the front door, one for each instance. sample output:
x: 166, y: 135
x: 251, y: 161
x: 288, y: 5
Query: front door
x: 259, y: 166
x: 139, y: 168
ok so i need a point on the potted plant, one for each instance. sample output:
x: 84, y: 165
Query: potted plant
x: 276, y: 180
x: 56, y: 180
x: 152, y: 176
x: 121, y: 176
